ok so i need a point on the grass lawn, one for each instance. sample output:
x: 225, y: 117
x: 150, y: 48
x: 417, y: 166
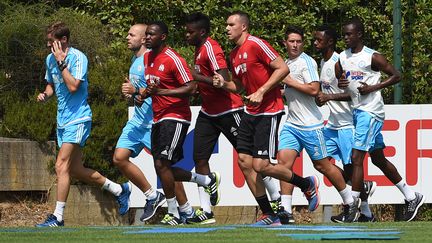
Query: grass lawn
x: 412, y: 231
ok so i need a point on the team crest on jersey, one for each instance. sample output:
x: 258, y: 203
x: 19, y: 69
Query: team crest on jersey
x: 293, y: 68
x: 197, y: 68
x: 161, y: 68
x: 362, y: 64
x: 329, y: 72
x: 245, y: 55
x: 139, y: 68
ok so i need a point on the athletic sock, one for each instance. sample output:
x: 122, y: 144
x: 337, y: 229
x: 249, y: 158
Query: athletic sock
x: 112, y: 187
x: 202, y: 180
x: 406, y: 191
x: 264, y: 204
x: 300, y: 182
x: 59, y: 210
x: 364, y: 209
x: 172, y: 207
x: 347, y: 195
x: 271, y: 186
x: 286, y: 202
x: 150, y: 193
x: 186, y: 208
x: 204, y: 199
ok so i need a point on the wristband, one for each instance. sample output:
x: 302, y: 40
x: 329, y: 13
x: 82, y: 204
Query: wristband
x: 62, y: 65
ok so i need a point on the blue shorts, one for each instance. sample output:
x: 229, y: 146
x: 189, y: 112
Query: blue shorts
x: 75, y: 133
x: 339, y: 143
x: 134, y: 138
x: 367, y: 136
x: 297, y: 139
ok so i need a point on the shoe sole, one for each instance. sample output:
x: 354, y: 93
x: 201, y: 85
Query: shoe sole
x: 317, y: 182
x: 418, y: 206
x: 372, y: 190
x: 154, y: 211
x: 217, y: 175
x: 207, y: 221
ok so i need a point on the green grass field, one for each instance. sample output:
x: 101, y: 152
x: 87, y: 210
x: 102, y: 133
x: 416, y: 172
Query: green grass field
x: 412, y: 231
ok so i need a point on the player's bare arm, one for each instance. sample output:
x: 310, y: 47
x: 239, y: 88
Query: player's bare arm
x: 281, y: 70
x: 44, y: 96
x: 71, y: 83
x: 380, y: 63
x: 234, y: 85
x: 209, y: 80
x: 186, y: 90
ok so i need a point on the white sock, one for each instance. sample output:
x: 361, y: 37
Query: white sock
x: 355, y: 194
x: 204, y: 199
x: 202, y: 180
x: 172, y: 207
x: 286, y: 202
x: 271, y: 186
x: 347, y: 195
x: 364, y: 209
x: 406, y: 191
x: 112, y: 187
x: 59, y: 210
x: 186, y: 208
x: 150, y: 193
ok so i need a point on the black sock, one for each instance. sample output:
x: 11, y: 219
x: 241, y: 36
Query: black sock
x: 264, y: 204
x: 300, y: 182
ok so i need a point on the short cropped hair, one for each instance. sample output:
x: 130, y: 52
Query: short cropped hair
x: 294, y: 29
x: 200, y: 19
x: 329, y: 32
x: 162, y: 26
x: 244, y: 17
x: 357, y: 23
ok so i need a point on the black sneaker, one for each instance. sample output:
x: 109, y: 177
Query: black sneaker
x: 369, y: 188
x: 350, y: 213
x: 170, y: 219
x: 284, y: 216
x: 213, y: 188
x: 413, y: 206
x: 363, y: 218
x: 202, y: 217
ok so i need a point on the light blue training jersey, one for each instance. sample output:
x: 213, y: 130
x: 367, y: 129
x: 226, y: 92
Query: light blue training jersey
x: 143, y: 116
x: 72, y: 108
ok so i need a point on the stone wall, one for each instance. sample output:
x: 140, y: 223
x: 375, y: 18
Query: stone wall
x: 24, y: 165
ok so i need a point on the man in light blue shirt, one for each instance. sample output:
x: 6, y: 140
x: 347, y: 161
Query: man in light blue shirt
x: 66, y: 74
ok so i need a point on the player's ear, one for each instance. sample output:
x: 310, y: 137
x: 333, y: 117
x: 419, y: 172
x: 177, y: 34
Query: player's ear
x: 163, y: 37
x: 64, y: 39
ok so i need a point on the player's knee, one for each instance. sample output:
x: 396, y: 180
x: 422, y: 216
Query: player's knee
x: 61, y: 166
x: 117, y: 160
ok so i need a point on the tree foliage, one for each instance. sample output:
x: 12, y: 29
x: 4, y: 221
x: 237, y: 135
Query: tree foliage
x: 99, y: 29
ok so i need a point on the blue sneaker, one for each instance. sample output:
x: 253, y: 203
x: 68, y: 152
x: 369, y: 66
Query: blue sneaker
x: 152, y: 205
x: 185, y: 216
x: 124, y: 198
x: 312, y: 194
x: 267, y: 219
x: 51, y: 221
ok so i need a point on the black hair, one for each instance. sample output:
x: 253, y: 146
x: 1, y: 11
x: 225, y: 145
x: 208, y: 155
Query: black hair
x: 357, y: 23
x: 201, y: 20
x: 162, y: 26
x: 294, y: 29
x: 329, y: 32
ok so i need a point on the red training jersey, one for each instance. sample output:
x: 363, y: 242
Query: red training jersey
x: 250, y: 63
x: 215, y: 102
x: 168, y: 70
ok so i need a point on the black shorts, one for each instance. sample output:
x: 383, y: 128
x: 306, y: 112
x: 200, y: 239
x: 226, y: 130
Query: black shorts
x: 258, y: 135
x: 167, y: 138
x: 208, y: 129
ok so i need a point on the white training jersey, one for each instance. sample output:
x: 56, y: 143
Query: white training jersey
x: 358, y: 68
x: 340, y: 111
x: 303, y: 112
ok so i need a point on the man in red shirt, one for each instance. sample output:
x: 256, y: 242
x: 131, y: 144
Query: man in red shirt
x: 257, y: 69
x: 169, y: 84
